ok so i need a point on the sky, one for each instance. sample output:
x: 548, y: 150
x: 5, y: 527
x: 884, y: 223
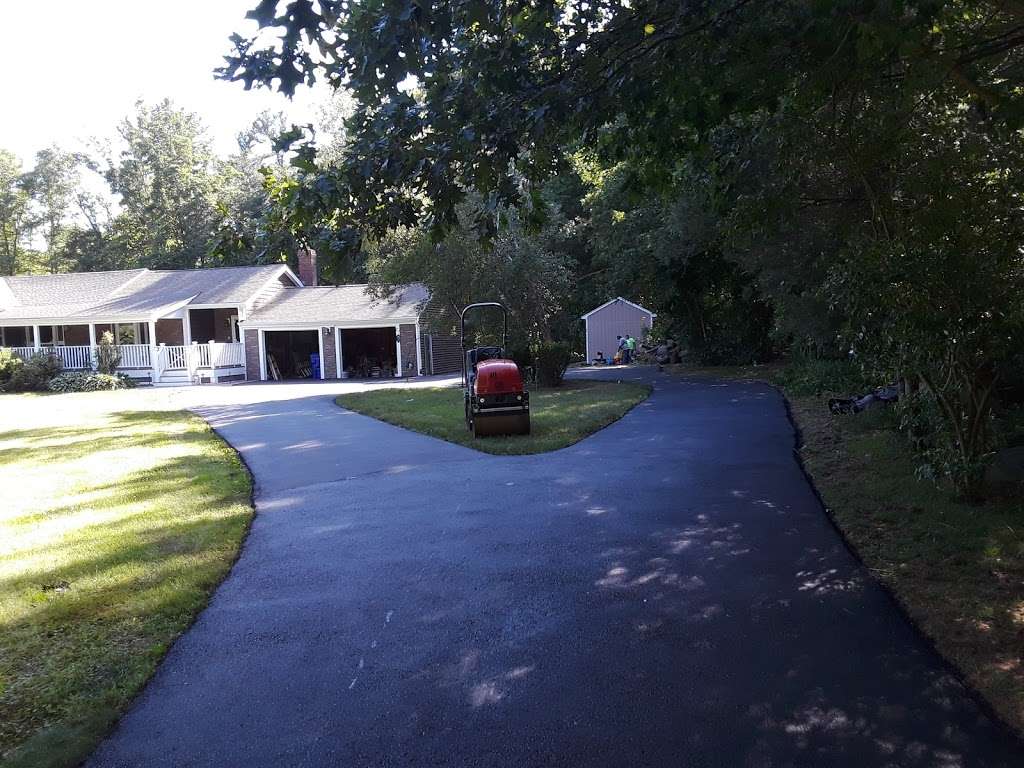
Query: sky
x: 73, y: 69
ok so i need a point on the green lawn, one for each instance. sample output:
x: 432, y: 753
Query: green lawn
x: 957, y: 568
x: 114, y: 529
x: 559, y: 417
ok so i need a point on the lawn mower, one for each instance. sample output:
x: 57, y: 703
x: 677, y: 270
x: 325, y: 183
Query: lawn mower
x: 496, y: 402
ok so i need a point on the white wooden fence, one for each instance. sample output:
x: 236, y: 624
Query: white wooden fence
x: 190, y: 358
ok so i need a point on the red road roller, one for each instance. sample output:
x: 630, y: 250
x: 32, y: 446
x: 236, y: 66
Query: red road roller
x: 496, y: 401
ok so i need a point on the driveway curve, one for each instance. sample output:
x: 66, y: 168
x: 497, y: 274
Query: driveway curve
x: 667, y: 592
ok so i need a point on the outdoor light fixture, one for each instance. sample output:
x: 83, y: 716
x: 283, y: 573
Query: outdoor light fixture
x: 328, y: 331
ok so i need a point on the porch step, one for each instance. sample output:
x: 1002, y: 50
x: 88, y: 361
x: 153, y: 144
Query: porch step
x: 174, y: 379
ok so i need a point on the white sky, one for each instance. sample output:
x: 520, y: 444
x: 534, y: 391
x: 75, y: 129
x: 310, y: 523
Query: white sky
x: 73, y: 69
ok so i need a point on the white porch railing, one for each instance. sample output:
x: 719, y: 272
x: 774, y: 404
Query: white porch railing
x: 227, y: 355
x: 72, y: 358
x: 190, y: 357
x: 175, y: 358
x: 135, y: 356
x: 201, y: 359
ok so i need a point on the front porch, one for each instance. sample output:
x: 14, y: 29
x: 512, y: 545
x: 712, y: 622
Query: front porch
x: 193, y: 363
x: 160, y: 351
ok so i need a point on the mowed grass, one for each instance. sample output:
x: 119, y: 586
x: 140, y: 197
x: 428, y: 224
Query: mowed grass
x: 559, y: 417
x: 957, y: 568
x: 115, y: 527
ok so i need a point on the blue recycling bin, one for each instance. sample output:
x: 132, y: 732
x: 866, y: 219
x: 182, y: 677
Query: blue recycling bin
x: 314, y: 363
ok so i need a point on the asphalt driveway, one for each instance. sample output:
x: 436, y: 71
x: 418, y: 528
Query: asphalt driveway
x: 667, y: 592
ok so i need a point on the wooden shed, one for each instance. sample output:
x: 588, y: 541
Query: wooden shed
x: 618, y: 317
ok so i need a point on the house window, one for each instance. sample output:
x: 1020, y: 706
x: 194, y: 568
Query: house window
x: 127, y: 333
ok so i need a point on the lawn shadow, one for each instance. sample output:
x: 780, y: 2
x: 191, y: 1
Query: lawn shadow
x: 118, y: 432
x: 92, y: 609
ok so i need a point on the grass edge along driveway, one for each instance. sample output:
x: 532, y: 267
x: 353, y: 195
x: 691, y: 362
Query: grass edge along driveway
x: 114, y: 532
x: 560, y: 416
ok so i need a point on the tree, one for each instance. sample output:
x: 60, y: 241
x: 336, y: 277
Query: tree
x: 331, y: 133
x: 268, y: 208
x: 245, y: 232
x: 258, y: 143
x: 516, y: 269
x: 669, y: 253
x: 14, y: 201
x: 164, y: 177
x: 502, y: 87
x: 52, y: 185
x: 836, y: 152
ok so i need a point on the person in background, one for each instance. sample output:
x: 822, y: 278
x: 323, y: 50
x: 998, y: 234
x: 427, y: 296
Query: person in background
x: 630, y: 348
x: 621, y: 353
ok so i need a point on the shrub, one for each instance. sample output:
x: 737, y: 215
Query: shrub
x: 85, y: 381
x: 553, y: 357
x: 35, y: 375
x: 813, y: 376
x: 927, y: 429
x: 108, y: 354
x: 520, y: 354
x: 9, y: 363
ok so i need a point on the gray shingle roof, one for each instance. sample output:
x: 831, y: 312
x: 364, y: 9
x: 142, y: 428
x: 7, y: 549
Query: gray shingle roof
x: 57, y: 295
x: 223, y: 285
x: 326, y: 305
x: 134, y: 293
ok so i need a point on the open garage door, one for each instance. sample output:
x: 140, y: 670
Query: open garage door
x: 292, y: 354
x: 369, y: 352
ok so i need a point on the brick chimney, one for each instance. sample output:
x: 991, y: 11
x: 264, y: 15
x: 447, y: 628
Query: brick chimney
x: 307, y: 266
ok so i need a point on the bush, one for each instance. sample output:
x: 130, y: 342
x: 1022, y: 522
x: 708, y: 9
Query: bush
x: 89, y: 382
x: 520, y: 354
x: 9, y: 363
x: 35, y: 375
x: 813, y: 376
x: 922, y: 422
x: 108, y: 354
x: 553, y: 357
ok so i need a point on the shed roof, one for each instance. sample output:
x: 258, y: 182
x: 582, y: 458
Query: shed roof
x: 613, y: 301
x: 340, y: 304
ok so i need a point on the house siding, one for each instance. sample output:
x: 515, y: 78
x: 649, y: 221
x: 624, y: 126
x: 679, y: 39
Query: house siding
x: 407, y: 334
x: 283, y: 283
x: 442, y: 348
x: 424, y: 341
x: 447, y: 354
x: 617, y: 319
x: 252, y: 355
x: 330, y: 361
